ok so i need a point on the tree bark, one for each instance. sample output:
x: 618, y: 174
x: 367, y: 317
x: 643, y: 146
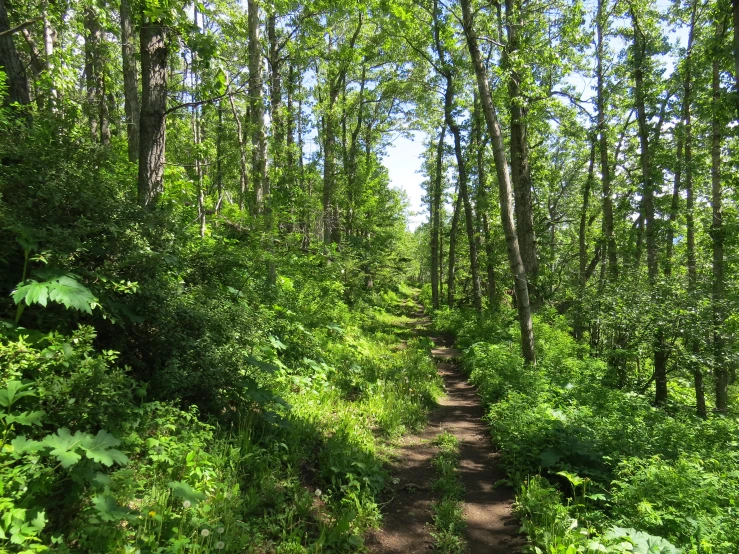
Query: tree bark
x: 464, y: 194
x: 197, y: 136
x: 243, y: 175
x: 256, y: 109
x: 605, y: 170
x: 735, y: 21
x: 153, y: 112
x: 436, y: 195
x: 447, y: 72
x: 97, y: 107
x: 685, y: 170
x: 11, y: 63
x: 583, y: 244
x: 504, y: 189
x: 131, y: 105
x: 717, y: 235
x: 519, y: 147
x: 660, y: 353
x: 452, y: 261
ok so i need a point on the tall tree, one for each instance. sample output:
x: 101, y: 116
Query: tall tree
x: 152, y: 137
x: 515, y: 16
x: 11, y: 63
x: 721, y: 372
x: 601, y: 19
x: 504, y: 187
x: 259, y: 175
x: 131, y: 104
x: 436, y: 194
x: 97, y: 105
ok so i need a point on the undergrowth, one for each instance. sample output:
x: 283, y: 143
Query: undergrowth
x: 90, y: 463
x: 448, y: 519
x: 597, y: 468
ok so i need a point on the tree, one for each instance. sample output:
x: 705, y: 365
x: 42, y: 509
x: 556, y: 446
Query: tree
x: 152, y: 137
x: 504, y: 188
x: 10, y: 62
x: 130, y: 80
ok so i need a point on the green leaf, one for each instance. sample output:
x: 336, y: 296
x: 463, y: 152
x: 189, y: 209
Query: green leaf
x: 185, y: 491
x: 63, y: 290
x: 550, y: 457
x: 38, y: 523
x: 643, y: 543
x: 69, y: 292
x: 100, y: 449
x: 64, y: 446
x: 108, y: 509
x: 14, y: 391
x: 21, y: 445
x: 32, y: 293
x: 26, y: 418
x: 264, y: 366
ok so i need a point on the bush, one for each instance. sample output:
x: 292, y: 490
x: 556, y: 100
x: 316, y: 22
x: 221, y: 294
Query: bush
x: 607, y: 465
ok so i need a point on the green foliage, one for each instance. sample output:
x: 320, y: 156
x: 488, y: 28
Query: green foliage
x: 448, y: 519
x: 612, y: 472
x: 64, y: 290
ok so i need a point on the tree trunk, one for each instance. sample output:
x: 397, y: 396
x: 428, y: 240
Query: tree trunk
x: 131, y: 104
x: 660, y: 353
x: 11, y: 63
x: 583, y: 245
x: 452, y: 262
x: 153, y: 112
x: 463, y: 191
x: 243, y: 175
x: 504, y: 189
x: 717, y: 236
x: 735, y: 20
x: 93, y: 77
x: 328, y: 167
x: 275, y: 91
x: 484, y: 205
x: 256, y: 110
x: 684, y: 177
x: 436, y: 195
x: 197, y: 137
x: 605, y: 170
x: 520, y: 170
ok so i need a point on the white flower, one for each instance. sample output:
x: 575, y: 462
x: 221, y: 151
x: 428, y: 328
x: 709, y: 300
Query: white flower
x: 220, y: 545
x: 318, y: 492
x: 186, y: 504
x: 205, y: 532
x: 221, y: 530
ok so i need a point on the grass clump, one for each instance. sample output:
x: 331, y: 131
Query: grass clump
x: 448, y: 520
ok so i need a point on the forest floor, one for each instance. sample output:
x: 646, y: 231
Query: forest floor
x: 490, y: 526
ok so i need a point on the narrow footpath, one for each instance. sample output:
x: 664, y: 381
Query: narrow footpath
x: 490, y: 525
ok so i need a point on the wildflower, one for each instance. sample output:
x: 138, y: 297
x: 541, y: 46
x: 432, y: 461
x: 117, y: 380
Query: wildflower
x: 186, y: 504
x: 152, y: 513
x: 318, y: 492
x: 221, y: 530
x: 220, y: 545
x: 205, y: 532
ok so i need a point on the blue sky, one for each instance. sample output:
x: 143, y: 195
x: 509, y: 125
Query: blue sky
x: 403, y: 161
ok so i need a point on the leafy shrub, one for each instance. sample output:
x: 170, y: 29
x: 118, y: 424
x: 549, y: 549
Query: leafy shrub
x: 614, y: 469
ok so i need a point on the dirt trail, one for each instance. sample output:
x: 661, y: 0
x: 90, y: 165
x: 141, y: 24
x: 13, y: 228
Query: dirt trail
x: 491, y: 527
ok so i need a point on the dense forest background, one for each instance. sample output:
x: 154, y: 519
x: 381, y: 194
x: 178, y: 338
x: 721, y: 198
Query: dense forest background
x: 204, y: 266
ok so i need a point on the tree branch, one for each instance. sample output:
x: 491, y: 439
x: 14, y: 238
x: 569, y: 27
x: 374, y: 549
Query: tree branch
x: 20, y: 27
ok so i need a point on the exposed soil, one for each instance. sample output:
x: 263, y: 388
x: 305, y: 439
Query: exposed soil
x: 491, y: 527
